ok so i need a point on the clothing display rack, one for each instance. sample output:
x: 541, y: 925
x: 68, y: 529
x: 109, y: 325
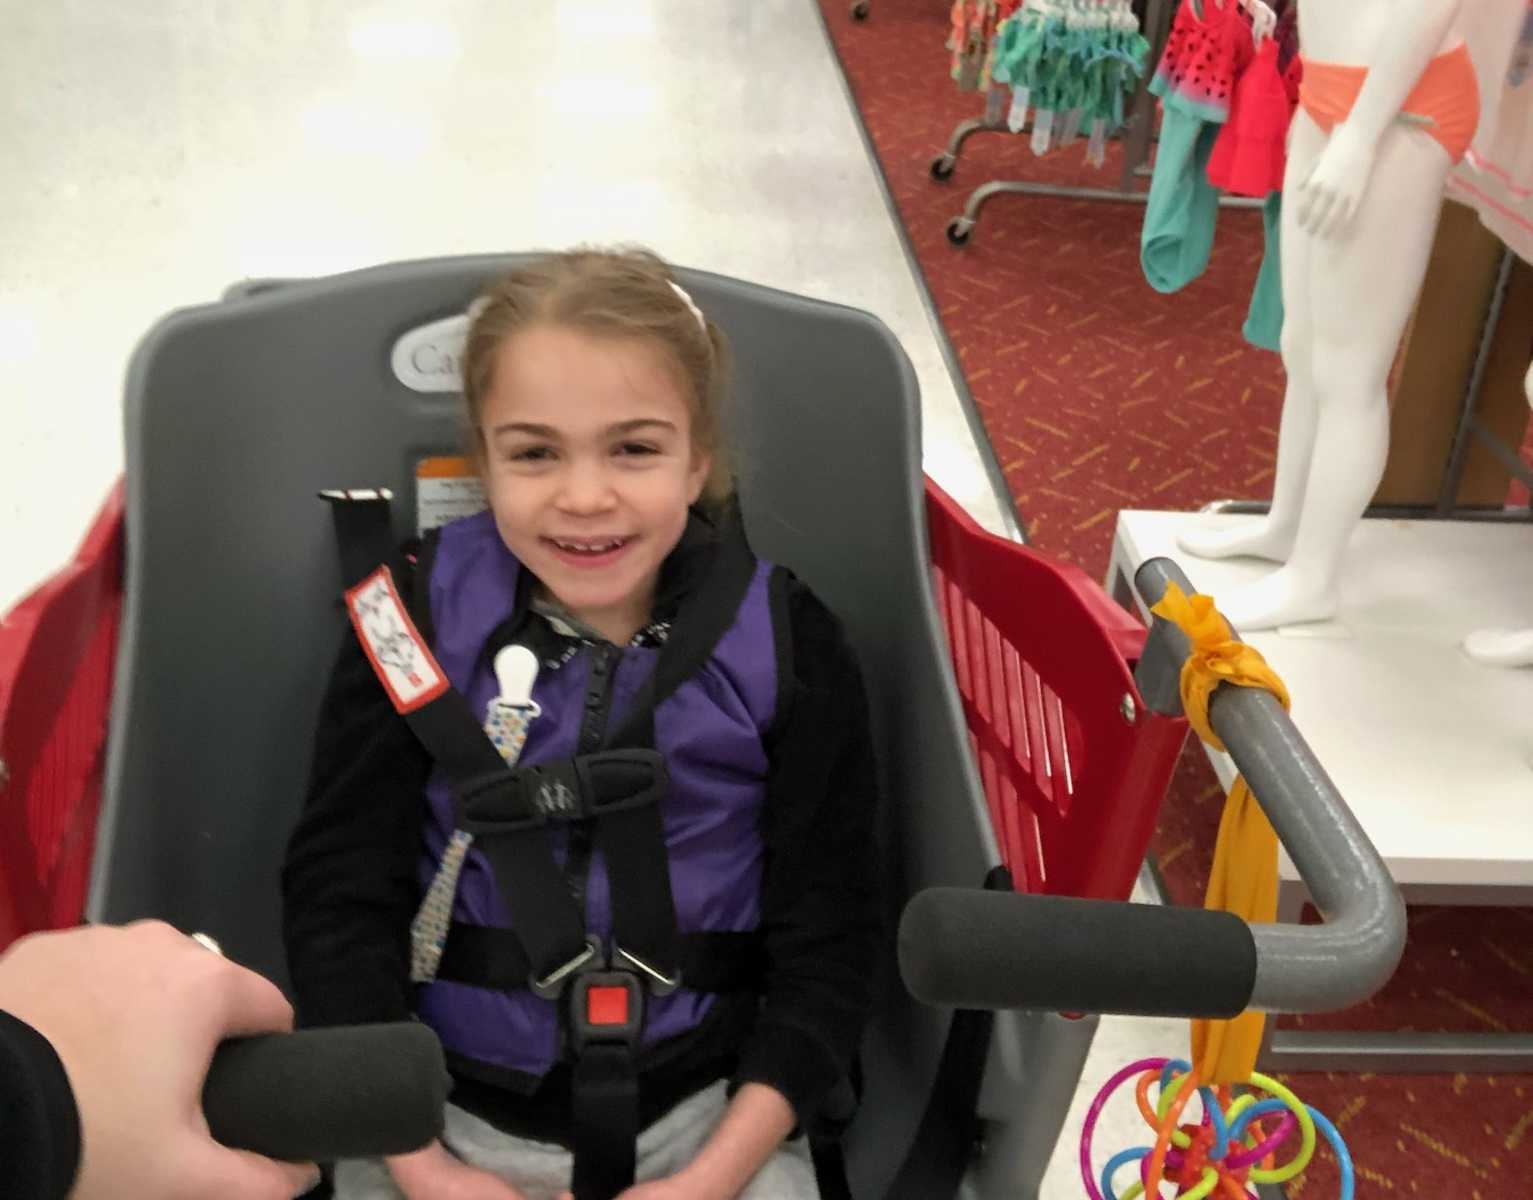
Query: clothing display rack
x: 1471, y: 428
x: 1137, y: 136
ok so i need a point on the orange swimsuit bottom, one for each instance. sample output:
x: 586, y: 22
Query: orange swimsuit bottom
x: 1445, y: 104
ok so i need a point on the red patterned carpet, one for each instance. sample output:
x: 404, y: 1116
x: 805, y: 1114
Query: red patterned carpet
x: 1099, y: 394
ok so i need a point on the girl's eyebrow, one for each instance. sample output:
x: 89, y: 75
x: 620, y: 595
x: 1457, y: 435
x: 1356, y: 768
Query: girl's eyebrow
x: 541, y: 431
x: 552, y: 434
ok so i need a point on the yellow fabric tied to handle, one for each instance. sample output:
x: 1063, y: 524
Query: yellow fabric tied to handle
x: 1243, y: 880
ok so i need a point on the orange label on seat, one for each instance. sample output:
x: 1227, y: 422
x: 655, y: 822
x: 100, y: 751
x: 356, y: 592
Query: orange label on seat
x: 446, y: 488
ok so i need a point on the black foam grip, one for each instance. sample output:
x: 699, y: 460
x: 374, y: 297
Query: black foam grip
x: 322, y: 1094
x: 996, y: 950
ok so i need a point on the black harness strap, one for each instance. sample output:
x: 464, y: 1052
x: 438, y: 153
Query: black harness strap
x: 631, y: 837
x: 604, y: 1103
x: 488, y: 957
x: 490, y: 800
x: 945, y: 1141
x: 702, y: 620
x: 363, y: 532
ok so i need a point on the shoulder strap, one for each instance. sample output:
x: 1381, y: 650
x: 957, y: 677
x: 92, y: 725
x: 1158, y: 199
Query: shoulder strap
x: 364, y: 532
x: 632, y: 839
x: 489, y: 797
x: 702, y: 620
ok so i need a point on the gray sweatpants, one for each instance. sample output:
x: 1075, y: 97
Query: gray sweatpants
x: 542, y: 1171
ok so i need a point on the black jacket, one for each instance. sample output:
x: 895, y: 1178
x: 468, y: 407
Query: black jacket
x: 350, y: 885
x: 39, y: 1124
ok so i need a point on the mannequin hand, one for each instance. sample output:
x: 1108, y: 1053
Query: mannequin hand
x: 1329, y: 198
x: 435, y: 1174
x: 134, y: 1015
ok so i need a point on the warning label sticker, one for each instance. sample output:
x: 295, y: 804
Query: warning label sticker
x: 446, y: 489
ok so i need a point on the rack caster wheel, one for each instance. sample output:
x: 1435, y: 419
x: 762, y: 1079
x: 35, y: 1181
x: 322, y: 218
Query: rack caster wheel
x: 860, y: 10
x: 942, y: 167
x: 958, y: 230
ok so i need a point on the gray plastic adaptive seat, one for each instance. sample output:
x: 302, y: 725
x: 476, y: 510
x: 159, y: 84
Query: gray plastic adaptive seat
x: 238, y: 412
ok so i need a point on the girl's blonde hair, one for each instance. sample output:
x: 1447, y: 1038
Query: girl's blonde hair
x: 622, y: 293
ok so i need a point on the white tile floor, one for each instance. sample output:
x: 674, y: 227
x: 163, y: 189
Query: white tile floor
x: 157, y: 150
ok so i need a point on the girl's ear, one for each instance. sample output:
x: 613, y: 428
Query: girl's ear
x: 697, y: 475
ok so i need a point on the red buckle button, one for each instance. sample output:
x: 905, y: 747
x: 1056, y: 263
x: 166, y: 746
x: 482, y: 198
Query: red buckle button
x: 607, y: 1006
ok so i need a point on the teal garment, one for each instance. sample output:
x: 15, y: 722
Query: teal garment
x: 1264, y: 322
x: 1179, y: 219
x: 1181, y: 214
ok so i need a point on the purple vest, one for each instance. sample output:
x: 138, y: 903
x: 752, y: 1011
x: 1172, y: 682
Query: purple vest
x: 709, y: 730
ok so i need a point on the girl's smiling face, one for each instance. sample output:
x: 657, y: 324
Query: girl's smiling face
x: 590, y: 467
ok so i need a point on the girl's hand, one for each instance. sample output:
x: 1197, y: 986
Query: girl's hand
x: 1329, y: 198
x: 435, y: 1174
x: 672, y: 1187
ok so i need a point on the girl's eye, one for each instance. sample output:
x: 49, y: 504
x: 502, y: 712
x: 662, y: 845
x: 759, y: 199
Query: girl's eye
x: 531, y: 454
x: 638, y: 449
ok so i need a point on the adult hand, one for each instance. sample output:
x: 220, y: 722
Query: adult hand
x: 1329, y: 198
x: 135, y: 1014
x: 436, y: 1174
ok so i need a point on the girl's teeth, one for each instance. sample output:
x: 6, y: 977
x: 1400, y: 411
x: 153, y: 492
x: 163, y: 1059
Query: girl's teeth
x: 590, y: 548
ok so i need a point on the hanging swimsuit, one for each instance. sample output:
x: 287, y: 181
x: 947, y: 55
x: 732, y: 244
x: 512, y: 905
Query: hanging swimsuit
x: 1204, y: 55
x: 1445, y: 101
x: 1251, y: 154
x: 1195, y: 80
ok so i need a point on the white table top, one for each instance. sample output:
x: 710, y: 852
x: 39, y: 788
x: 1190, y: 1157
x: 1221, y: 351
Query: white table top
x: 160, y: 151
x: 1433, y: 751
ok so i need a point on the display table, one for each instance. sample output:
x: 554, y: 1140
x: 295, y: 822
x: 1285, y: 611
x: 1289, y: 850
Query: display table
x: 1433, y: 751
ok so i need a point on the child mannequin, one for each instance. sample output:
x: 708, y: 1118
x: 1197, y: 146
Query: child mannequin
x: 1388, y: 106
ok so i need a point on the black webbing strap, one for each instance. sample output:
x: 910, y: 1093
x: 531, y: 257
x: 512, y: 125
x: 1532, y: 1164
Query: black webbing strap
x: 512, y: 835
x: 702, y: 620
x: 632, y: 839
x: 829, y: 1158
x: 604, y: 1103
x: 489, y: 957
x: 631, y: 836
x: 944, y: 1143
x: 363, y: 532
x: 827, y: 1149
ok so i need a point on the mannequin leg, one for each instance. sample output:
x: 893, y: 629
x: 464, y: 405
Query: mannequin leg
x: 1362, y: 286
x: 1271, y: 536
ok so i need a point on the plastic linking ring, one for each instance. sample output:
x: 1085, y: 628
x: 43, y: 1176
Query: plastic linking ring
x: 1218, y: 1156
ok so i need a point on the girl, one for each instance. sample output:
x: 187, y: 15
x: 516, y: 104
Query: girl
x: 693, y: 757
